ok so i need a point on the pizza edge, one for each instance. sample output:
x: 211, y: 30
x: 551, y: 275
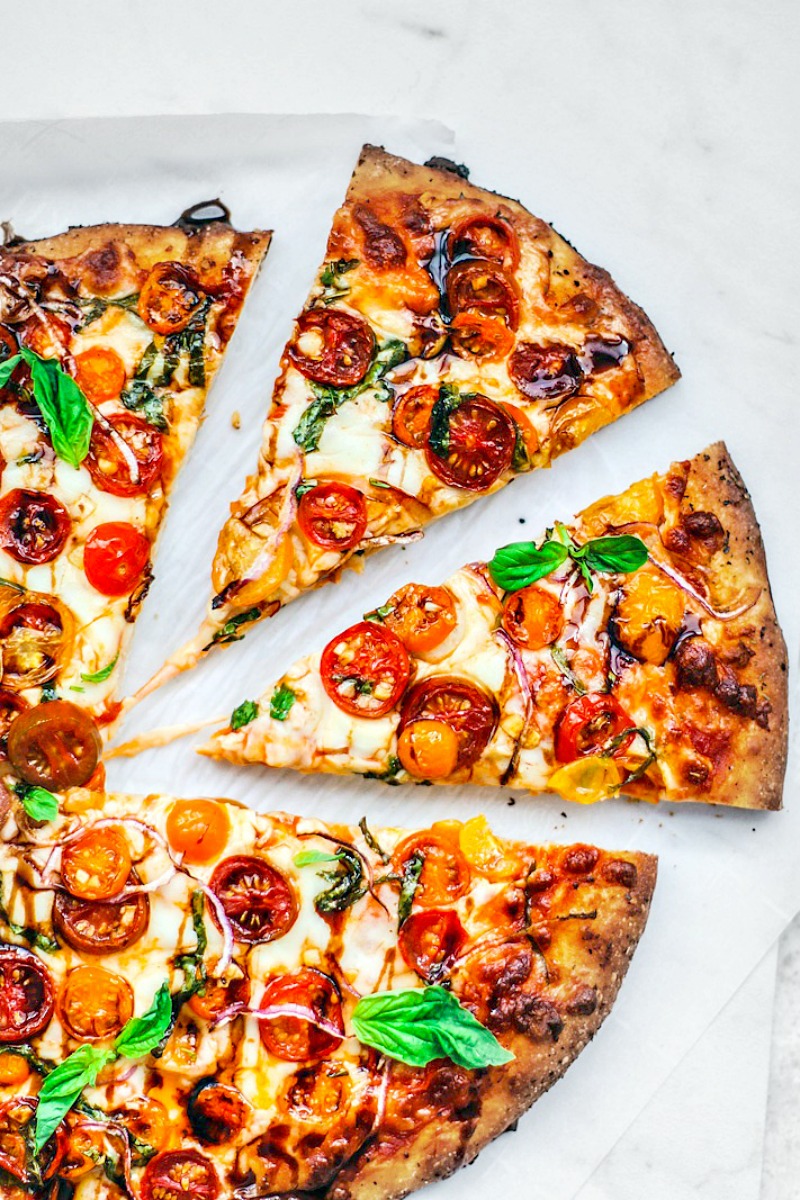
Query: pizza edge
x: 438, y: 1150
x: 376, y: 166
x: 756, y: 778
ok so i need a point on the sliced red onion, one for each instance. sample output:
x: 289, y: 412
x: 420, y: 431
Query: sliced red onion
x: 519, y: 667
x: 142, y: 889
x: 131, y: 460
x: 286, y: 517
x: 718, y: 614
x: 274, y: 1012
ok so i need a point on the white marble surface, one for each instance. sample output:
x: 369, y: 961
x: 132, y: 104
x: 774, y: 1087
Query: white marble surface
x: 710, y: 84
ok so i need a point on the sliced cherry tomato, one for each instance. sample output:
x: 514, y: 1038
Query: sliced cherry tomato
x: 476, y: 336
x: 11, y: 705
x: 411, y: 418
x: 54, y: 745
x: 588, y: 724
x: 34, y: 526
x: 27, y: 996
x: 469, y: 712
x: 431, y: 941
x: 179, y: 1175
x: 421, y: 616
x: 198, y: 830
x: 545, y: 372
x: 95, y: 865
x: 526, y: 430
x: 533, y: 617
x: 445, y: 872
x: 428, y: 749
x: 480, y: 445
x: 216, y: 1112
x: 109, y: 466
x: 100, y: 373
x: 365, y: 670
x: 219, y: 996
x: 482, y: 287
x: 333, y: 515
x: 94, y: 1003
x: 257, y: 900
x: 85, y: 1146
x: 36, y: 638
x: 169, y: 298
x: 485, y: 236
x: 332, y: 347
x: 293, y: 1038
x: 319, y: 1094
x: 14, y: 1070
x: 16, y: 1141
x: 114, y: 557
x: 98, y: 927
x: 148, y: 1121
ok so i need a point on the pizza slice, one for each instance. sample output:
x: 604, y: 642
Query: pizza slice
x: 109, y: 339
x: 449, y: 342
x: 199, y: 1001
x: 635, y: 650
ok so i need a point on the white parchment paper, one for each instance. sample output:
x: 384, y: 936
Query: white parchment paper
x: 729, y: 881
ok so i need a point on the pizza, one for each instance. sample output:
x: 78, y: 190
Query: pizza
x: 635, y: 650
x: 198, y: 1001
x: 449, y: 342
x: 109, y: 339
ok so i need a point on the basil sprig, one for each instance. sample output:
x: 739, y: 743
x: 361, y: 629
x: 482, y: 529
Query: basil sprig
x: 63, y: 1086
x: 446, y: 404
x: 417, y: 1025
x: 39, y: 804
x: 65, y: 409
x: 328, y: 399
x: 412, y: 870
x: 521, y: 563
x: 346, y: 877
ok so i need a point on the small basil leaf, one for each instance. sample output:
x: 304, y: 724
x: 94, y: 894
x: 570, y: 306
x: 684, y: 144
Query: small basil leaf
x: 103, y: 674
x: 347, y: 884
x: 243, y: 714
x: 64, y: 407
x: 139, y: 397
x: 521, y: 563
x: 446, y: 404
x: 282, y: 700
x: 230, y: 630
x: 310, y: 858
x: 418, y: 1025
x: 7, y: 368
x: 39, y: 804
x: 142, y: 1034
x: 63, y: 1086
x: 623, y: 553
x: 412, y: 869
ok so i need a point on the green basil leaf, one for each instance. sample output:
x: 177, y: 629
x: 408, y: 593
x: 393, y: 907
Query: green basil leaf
x: 282, y: 700
x: 309, y: 858
x: 446, y: 404
x: 139, y: 397
x: 393, y: 769
x: 623, y: 553
x: 230, y: 630
x: 372, y: 841
x: 417, y: 1025
x: 7, y: 368
x: 64, y: 407
x: 521, y: 563
x: 243, y: 714
x: 63, y: 1086
x: 347, y: 883
x: 559, y: 657
x: 39, y: 804
x: 142, y: 1034
x: 103, y: 674
x: 412, y: 869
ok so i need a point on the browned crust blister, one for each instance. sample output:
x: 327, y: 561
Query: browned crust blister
x: 438, y: 1149
x: 754, y: 778
x: 376, y: 169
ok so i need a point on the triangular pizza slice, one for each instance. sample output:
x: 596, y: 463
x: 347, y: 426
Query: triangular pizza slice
x: 634, y: 650
x: 197, y: 1000
x: 109, y: 339
x: 450, y: 341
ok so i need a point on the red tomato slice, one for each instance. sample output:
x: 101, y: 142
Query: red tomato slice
x: 101, y: 927
x: 293, y: 1038
x: 333, y: 515
x: 54, y: 745
x: 469, y: 712
x: 179, y: 1175
x: 258, y: 901
x: 445, y: 871
x: 108, y: 465
x: 216, y: 1112
x: 485, y: 236
x: 545, y: 372
x: 365, y: 670
x: 100, y: 373
x: 114, y: 557
x: 169, y: 298
x: 27, y: 996
x: 331, y: 346
x: 16, y: 1141
x: 431, y: 941
x: 411, y: 418
x: 34, y: 526
x: 588, y: 724
x: 474, y: 285
x: 480, y: 445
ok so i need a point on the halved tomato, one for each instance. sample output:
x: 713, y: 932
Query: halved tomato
x: 11, y: 705
x: 101, y: 927
x: 36, y: 637
x: 95, y: 1003
x: 428, y: 749
x: 100, y: 373
x: 485, y: 236
x: 292, y: 1037
x: 221, y: 996
x: 333, y: 515
x: 479, y: 445
x: 469, y: 712
x: 411, y: 417
x: 148, y: 1121
x: 474, y: 285
x: 112, y: 467
x: 179, y: 1175
x: 588, y: 724
x: 95, y: 865
x: 169, y: 298
x: 198, y: 830
x: 34, y: 526
x: 533, y: 617
x: 16, y: 1138
x: 54, y: 745
x: 431, y: 941
x: 114, y: 557
x: 331, y: 346
x: 257, y: 900
x: 365, y: 670
x: 27, y: 995
x: 421, y: 616
x: 445, y: 872
x: 476, y: 336
x: 216, y: 1112
x: 545, y: 372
